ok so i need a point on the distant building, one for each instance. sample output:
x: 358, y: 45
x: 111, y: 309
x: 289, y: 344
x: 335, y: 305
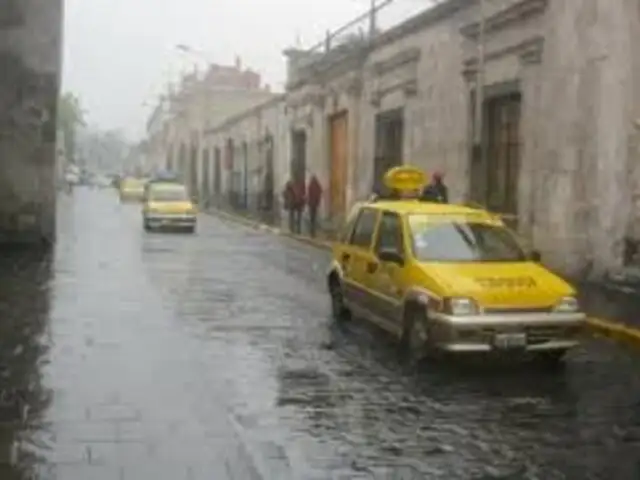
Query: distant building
x: 203, y: 100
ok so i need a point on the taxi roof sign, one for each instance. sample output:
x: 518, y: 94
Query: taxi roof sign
x: 405, y: 178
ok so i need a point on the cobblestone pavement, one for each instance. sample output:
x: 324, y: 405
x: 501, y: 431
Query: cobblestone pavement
x: 157, y: 356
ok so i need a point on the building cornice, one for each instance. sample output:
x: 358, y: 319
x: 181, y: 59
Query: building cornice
x: 514, y: 14
x: 277, y: 98
x: 404, y: 57
x: 408, y: 87
x: 529, y: 51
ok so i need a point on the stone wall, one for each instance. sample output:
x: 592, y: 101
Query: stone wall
x: 571, y: 61
x: 573, y: 64
x: 30, y: 62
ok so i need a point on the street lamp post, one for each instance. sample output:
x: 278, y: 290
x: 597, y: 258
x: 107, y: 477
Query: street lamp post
x: 372, y: 23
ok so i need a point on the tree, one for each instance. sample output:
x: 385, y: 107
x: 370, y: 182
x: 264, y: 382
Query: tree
x: 70, y: 117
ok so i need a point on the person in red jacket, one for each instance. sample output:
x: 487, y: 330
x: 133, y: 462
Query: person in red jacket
x: 299, y: 201
x: 314, y: 191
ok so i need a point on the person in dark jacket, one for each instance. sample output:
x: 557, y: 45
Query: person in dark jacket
x: 436, y: 191
x: 314, y: 196
x: 288, y: 200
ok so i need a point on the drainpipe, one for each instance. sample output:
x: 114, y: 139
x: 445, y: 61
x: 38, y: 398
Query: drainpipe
x: 480, y: 77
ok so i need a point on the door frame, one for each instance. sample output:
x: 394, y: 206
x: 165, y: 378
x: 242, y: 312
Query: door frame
x: 333, y: 211
x: 477, y: 189
x: 379, y: 156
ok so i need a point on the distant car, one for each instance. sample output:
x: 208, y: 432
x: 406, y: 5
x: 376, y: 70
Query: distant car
x: 161, y: 178
x: 131, y: 189
x: 101, y: 181
x: 168, y: 205
x: 449, y: 278
x: 71, y: 178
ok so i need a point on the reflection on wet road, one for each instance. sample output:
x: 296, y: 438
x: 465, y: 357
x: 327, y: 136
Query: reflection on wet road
x: 150, y: 356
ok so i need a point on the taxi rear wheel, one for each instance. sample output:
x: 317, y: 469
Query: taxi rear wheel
x: 339, y: 311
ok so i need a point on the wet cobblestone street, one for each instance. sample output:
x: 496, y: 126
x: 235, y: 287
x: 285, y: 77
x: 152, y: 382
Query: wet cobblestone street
x: 144, y: 356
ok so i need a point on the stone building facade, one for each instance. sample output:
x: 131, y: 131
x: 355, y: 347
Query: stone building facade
x: 559, y: 146
x: 30, y: 66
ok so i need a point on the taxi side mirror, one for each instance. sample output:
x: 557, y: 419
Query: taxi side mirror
x: 535, y: 256
x: 390, y: 255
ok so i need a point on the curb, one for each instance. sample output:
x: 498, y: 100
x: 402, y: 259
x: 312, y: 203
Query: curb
x: 600, y: 326
x: 248, y: 222
x: 614, y: 330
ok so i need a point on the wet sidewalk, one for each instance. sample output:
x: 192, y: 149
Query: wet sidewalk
x: 123, y: 391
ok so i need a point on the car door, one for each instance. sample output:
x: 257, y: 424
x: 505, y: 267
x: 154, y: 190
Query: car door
x: 389, y: 281
x: 357, y: 257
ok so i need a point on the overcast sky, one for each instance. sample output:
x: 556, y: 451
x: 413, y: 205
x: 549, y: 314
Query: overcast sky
x: 120, y: 54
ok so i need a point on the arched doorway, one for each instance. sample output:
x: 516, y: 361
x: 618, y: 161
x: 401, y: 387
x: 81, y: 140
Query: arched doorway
x: 217, y: 173
x: 229, y: 167
x: 206, y: 176
x: 245, y: 175
x: 169, y: 161
x: 268, y: 186
x: 182, y: 160
x: 193, y: 171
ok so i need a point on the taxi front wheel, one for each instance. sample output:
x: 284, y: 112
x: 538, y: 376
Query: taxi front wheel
x: 415, y: 337
x: 551, y: 360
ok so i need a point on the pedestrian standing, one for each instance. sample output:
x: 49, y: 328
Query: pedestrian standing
x: 299, y: 201
x: 436, y: 191
x: 314, y: 192
x: 288, y: 199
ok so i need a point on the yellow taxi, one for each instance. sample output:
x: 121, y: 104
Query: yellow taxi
x: 131, y: 189
x: 448, y: 278
x: 168, y: 205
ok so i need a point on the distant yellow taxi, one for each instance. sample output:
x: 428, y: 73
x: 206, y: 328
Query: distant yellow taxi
x: 448, y: 278
x: 131, y: 189
x: 168, y: 205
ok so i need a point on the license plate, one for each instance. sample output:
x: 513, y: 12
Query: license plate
x: 506, y: 341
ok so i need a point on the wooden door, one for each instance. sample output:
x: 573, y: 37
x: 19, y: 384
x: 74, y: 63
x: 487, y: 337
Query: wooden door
x: 206, y: 175
x: 503, y: 160
x: 217, y: 172
x: 388, y: 145
x: 338, y: 158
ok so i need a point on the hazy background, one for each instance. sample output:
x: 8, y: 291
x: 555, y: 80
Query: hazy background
x: 119, y: 55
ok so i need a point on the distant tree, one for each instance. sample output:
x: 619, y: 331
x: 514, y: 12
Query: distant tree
x: 70, y: 117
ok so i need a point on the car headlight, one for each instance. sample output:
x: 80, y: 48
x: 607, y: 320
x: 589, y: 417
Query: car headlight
x: 461, y: 306
x: 567, y: 305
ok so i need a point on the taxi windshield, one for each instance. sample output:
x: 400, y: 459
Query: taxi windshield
x: 132, y: 184
x: 168, y: 195
x: 462, y: 240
